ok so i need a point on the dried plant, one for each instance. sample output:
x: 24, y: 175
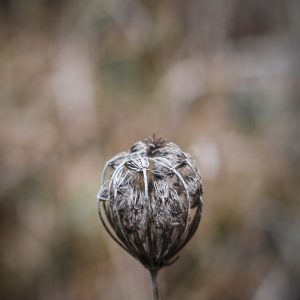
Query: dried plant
x: 150, y: 202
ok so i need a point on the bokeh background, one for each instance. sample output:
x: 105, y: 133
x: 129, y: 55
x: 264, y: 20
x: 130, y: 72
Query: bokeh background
x: 84, y: 80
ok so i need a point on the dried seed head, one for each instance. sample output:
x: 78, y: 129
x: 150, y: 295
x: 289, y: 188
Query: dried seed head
x: 150, y: 201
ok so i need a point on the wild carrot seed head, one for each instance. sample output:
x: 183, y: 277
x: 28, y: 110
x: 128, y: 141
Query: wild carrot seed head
x: 150, y: 201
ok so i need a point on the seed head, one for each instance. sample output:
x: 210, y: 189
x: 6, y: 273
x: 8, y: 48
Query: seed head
x: 150, y: 201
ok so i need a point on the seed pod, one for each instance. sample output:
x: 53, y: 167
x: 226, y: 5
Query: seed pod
x: 150, y: 201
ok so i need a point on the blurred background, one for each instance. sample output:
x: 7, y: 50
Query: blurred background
x: 84, y: 80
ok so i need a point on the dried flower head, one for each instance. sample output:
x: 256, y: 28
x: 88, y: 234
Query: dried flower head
x: 150, y: 201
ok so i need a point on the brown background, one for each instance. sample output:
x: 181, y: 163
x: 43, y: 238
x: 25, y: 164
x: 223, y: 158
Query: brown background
x: 84, y: 80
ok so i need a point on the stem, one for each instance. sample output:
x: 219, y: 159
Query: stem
x: 155, y: 288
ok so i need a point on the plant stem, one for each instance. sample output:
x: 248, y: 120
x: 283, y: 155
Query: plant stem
x: 155, y: 288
